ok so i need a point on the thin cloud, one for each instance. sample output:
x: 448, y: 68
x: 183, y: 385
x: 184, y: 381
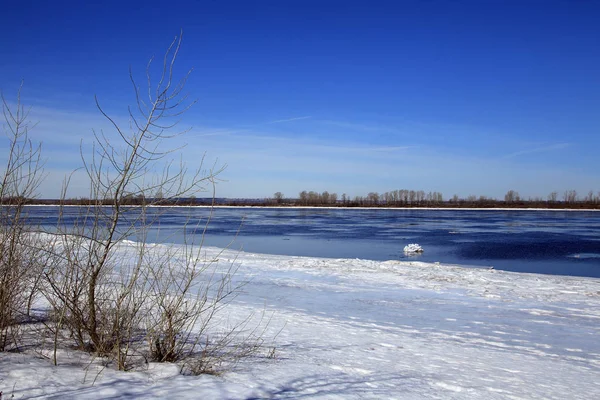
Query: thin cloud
x: 363, y: 127
x: 543, y: 149
x: 216, y: 132
x: 381, y: 149
x: 259, y: 141
x: 289, y: 120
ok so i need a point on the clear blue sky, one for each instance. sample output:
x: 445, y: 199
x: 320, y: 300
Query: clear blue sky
x: 465, y: 97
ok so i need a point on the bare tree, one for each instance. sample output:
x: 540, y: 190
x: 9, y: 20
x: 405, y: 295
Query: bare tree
x: 104, y: 299
x: 373, y: 197
x: 20, y: 269
x: 570, y: 196
x: 278, y: 196
x: 412, y: 196
x: 303, y: 197
x: 512, y: 196
x: 333, y: 198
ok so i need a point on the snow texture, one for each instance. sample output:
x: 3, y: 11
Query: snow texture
x: 359, y: 329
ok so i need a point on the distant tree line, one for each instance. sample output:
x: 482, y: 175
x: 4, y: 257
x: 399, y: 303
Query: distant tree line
x: 128, y: 200
x: 395, y: 198
x: 420, y: 198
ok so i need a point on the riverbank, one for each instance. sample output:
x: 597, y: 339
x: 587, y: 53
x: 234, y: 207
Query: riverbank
x: 344, y: 328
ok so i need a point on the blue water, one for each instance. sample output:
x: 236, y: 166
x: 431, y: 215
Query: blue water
x: 549, y: 242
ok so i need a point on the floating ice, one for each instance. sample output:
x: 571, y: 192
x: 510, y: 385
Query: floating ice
x: 413, y: 248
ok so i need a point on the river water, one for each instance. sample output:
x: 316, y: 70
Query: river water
x: 549, y: 242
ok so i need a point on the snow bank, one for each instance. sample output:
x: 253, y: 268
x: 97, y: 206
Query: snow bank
x: 363, y: 329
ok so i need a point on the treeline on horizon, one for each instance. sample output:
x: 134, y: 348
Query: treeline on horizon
x: 397, y: 198
x: 421, y: 199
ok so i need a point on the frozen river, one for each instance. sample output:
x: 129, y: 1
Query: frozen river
x: 549, y: 242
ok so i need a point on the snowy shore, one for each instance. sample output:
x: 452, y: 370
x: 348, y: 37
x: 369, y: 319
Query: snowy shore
x: 349, y: 329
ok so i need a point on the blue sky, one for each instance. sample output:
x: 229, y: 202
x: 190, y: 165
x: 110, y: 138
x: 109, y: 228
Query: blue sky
x: 461, y: 97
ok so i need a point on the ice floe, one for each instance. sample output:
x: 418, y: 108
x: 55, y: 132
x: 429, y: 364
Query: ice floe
x: 413, y: 248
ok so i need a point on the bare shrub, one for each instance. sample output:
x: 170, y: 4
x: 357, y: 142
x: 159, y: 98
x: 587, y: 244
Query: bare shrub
x: 222, y: 349
x: 19, y: 270
x: 110, y: 296
x: 111, y: 305
x: 188, y: 291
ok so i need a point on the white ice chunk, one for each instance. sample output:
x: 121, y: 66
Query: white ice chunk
x: 413, y: 248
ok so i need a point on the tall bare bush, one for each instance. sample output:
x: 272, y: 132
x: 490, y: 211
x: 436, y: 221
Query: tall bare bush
x: 101, y: 299
x: 113, y: 297
x: 19, y: 268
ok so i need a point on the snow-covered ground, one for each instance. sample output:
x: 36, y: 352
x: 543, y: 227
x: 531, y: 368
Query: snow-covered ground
x: 352, y: 329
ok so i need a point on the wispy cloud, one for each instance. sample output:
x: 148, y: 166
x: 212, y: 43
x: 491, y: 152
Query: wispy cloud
x: 543, y: 149
x: 215, y: 132
x: 360, y: 127
x: 289, y: 119
x: 367, y: 149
